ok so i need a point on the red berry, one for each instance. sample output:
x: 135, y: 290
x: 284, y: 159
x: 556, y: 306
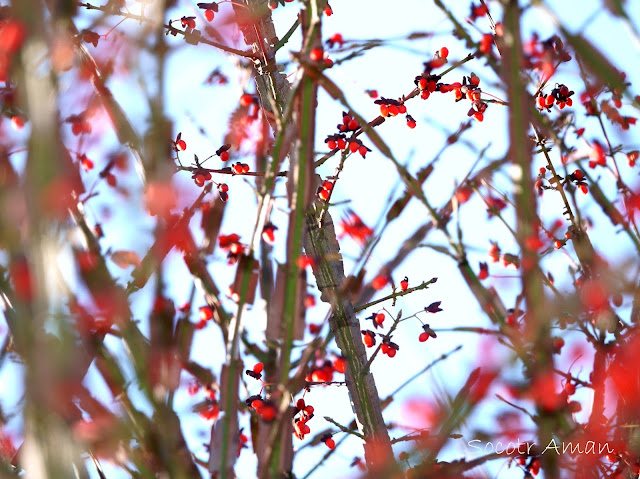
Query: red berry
x: 384, y: 110
x: 199, y: 179
x: 268, y: 235
x: 443, y: 52
x: 391, y: 352
x: 316, y: 54
x: 558, y: 343
x: 206, y: 313
x: 379, y: 282
x: 478, y: 116
x: 223, y: 187
x: 308, y: 410
x: 209, y: 14
x: 423, y: 337
x: 268, y: 413
x: 570, y: 389
x: 224, y: 156
x: 87, y: 164
x: 331, y: 444
x: 379, y: 318
x: 353, y: 125
x: 411, y: 124
x: 363, y: 150
x: 354, y: 146
x: 332, y: 144
x: 393, y: 110
x: 181, y: 145
x: 246, y: 100
x: 327, y: 185
x: 300, y: 404
x: 17, y: 122
x: 404, y: 284
x: 258, y: 368
x: 111, y: 180
x: 323, y: 194
x: 402, y: 109
x: 273, y: 5
x: 328, y: 11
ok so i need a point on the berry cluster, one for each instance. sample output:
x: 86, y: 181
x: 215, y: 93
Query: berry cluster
x: 324, y: 190
x: 578, y: 178
x: 263, y: 408
x: 325, y: 370
x: 559, y: 95
x: 354, y: 227
x: 304, y: 413
x: 318, y: 55
x: 206, y: 314
x: 240, y: 168
x: 231, y: 244
x: 79, y: 124
x: 389, y: 107
x: 545, y: 55
x: 388, y: 347
x: 342, y: 142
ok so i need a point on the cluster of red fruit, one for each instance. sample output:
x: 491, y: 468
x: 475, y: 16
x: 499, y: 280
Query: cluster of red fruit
x: 209, y: 410
x: 324, y: 371
x: 324, y: 190
x: 206, y: 314
x: 469, y: 89
x: 263, y: 408
x: 188, y: 22
x: 240, y: 168
x: 304, y: 413
x: 388, y: 347
x: 545, y: 56
x: 508, y: 259
x: 354, y: 227
x: 532, y: 468
x: 231, y: 244
x: 340, y: 141
x: 319, y: 55
x: 79, y: 124
x: 559, y: 95
x: 578, y: 178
